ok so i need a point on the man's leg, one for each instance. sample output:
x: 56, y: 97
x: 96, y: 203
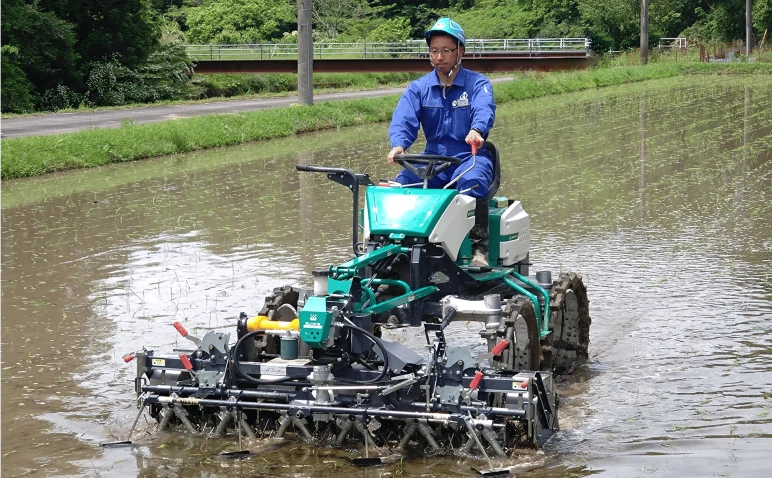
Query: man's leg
x: 479, y: 234
x: 406, y: 177
x: 475, y: 183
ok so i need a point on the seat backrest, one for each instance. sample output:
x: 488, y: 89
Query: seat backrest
x: 494, y: 187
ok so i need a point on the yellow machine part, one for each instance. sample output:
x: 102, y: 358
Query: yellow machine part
x: 261, y: 322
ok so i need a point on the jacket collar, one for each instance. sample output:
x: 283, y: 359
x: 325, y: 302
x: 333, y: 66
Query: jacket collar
x: 459, y: 80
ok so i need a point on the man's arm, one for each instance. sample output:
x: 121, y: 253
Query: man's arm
x: 483, y: 107
x: 406, y: 119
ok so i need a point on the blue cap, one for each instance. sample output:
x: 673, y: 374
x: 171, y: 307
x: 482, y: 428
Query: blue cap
x: 449, y: 27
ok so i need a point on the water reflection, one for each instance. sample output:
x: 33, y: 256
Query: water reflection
x: 642, y: 166
x: 658, y: 193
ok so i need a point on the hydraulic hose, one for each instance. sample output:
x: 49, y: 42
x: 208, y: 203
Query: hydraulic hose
x: 241, y: 373
x: 375, y: 340
x: 371, y: 337
x: 449, y: 313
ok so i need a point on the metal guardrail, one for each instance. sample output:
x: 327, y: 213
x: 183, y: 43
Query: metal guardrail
x: 374, y: 50
x: 672, y: 43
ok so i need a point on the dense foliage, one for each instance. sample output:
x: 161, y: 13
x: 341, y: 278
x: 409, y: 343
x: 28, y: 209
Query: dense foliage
x: 65, y: 53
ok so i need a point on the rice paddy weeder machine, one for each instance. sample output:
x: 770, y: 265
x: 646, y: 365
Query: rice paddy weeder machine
x: 315, y: 362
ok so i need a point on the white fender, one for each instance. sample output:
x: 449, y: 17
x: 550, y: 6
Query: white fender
x: 454, y: 224
x: 516, y: 226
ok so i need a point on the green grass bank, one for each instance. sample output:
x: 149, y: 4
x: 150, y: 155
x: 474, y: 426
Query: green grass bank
x: 31, y: 156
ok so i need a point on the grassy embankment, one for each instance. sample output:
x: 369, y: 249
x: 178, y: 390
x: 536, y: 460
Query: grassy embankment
x: 33, y: 156
x: 210, y: 87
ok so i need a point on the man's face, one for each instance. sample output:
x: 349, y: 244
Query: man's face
x: 444, y: 51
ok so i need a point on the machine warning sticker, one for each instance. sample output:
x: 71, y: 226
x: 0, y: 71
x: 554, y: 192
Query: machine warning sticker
x: 159, y: 362
x: 267, y: 369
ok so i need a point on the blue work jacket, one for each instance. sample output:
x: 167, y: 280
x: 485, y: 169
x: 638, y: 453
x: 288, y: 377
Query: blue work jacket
x: 446, y: 114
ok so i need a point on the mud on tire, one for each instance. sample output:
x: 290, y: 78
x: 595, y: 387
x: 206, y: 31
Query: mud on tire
x: 285, y: 295
x: 281, y: 296
x: 522, y: 331
x: 570, y: 319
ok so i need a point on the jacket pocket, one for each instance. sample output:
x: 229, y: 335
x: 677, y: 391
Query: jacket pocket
x: 461, y: 122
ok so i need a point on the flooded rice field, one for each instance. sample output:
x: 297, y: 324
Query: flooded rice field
x: 659, y: 193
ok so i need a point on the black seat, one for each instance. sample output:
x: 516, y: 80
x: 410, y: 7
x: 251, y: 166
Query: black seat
x: 494, y: 187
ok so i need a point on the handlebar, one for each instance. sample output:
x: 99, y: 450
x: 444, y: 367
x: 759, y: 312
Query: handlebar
x: 312, y: 168
x: 347, y: 178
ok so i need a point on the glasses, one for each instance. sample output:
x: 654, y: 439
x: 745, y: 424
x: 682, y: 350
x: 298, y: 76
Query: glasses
x: 444, y: 51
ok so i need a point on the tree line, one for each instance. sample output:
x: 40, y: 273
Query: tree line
x: 66, y: 53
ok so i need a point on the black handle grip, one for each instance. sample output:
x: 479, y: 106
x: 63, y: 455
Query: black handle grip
x: 312, y: 168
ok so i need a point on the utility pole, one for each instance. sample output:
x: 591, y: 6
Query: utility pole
x: 645, y: 31
x: 305, y: 53
x: 748, y: 7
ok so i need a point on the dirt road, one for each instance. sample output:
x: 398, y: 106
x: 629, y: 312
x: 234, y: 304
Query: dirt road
x: 56, y: 123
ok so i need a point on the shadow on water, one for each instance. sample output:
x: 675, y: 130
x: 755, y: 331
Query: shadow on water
x: 659, y: 194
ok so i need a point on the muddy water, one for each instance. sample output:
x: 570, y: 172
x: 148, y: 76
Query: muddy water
x: 660, y: 194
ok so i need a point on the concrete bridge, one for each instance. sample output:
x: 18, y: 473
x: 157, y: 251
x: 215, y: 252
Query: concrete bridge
x: 485, y: 55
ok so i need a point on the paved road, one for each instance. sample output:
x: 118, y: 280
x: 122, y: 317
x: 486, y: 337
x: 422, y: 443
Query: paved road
x: 38, y: 125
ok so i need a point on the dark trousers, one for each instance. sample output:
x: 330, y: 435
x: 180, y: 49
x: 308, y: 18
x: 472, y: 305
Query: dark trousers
x: 479, y: 234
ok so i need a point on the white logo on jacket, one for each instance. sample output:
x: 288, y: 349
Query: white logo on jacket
x: 462, y: 100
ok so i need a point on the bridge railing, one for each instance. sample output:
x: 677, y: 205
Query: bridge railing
x: 406, y: 49
x: 680, y: 43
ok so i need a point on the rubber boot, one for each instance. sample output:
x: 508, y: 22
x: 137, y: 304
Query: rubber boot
x: 479, y: 235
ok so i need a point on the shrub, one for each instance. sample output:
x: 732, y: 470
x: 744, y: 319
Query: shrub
x: 110, y: 84
x: 17, y: 91
x: 60, y: 98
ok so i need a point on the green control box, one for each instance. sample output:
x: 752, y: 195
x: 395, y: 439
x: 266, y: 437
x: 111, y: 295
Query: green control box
x: 315, y: 322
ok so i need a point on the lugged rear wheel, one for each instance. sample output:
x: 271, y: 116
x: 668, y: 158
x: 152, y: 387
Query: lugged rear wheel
x: 281, y: 296
x: 272, y: 308
x: 570, y: 316
x: 522, y: 331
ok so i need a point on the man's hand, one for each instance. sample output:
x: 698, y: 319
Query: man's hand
x: 394, y: 151
x: 474, y: 138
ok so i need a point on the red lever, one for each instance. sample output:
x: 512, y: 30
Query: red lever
x: 478, y: 376
x: 180, y: 329
x: 128, y: 358
x: 474, y: 149
x: 186, y: 362
x: 500, y: 347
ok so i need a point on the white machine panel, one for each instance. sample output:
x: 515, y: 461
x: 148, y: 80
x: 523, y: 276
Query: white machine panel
x: 516, y: 225
x: 454, y: 225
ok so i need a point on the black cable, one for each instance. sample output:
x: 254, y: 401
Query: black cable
x: 449, y: 313
x: 375, y: 340
x: 387, y: 262
x: 237, y: 364
x: 371, y: 337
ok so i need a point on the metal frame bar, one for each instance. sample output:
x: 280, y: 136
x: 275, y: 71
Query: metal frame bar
x: 350, y: 268
x: 304, y: 408
x: 408, y: 296
x: 372, y: 50
x: 537, y: 307
x: 544, y: 330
